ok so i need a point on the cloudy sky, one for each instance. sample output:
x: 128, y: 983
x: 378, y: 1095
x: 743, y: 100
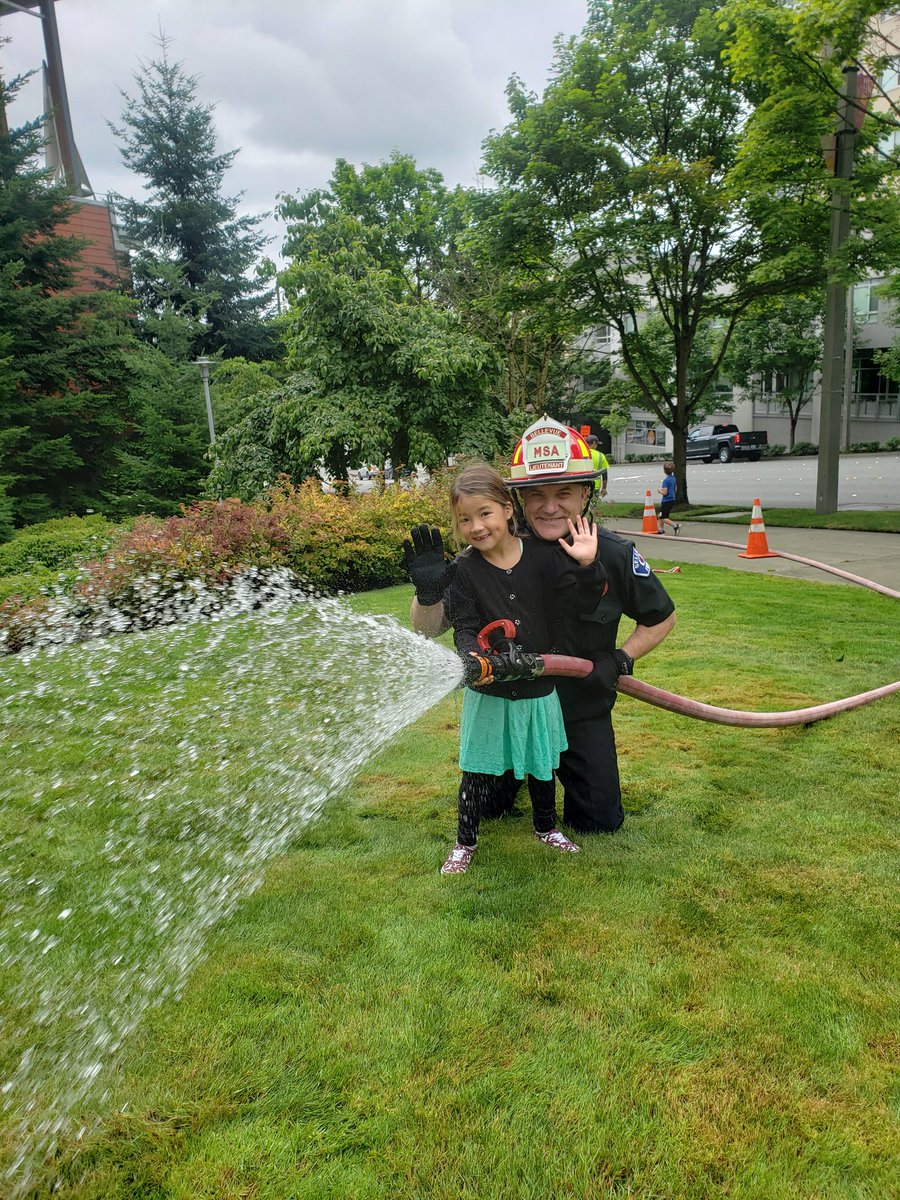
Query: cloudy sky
x: 299, y: 83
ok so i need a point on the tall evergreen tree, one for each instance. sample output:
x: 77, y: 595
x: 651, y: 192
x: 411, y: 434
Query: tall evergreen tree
x: 164, y: 462
x: 195, y: 250
x: 63, y: 402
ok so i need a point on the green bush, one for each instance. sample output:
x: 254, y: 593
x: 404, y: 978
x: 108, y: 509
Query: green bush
x: 355, y: 542
x: 59, y: 543
x: 35, y: 582
x: 892, y: 443
x: 775, y: 450
x: 864, y: 447
x: 804, y: 448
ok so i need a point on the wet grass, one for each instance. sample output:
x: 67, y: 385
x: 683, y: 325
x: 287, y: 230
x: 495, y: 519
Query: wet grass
x: 704, y: 1005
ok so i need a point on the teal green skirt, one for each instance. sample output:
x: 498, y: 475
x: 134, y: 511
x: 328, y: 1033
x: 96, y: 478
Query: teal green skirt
x: 499, y: 735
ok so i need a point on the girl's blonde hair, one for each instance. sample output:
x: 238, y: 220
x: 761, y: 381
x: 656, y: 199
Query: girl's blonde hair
x: 480, y: 479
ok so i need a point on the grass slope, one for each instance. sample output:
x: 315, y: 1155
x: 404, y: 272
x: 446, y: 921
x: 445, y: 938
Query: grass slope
x: 790, y: 518
x: 704, y: 1005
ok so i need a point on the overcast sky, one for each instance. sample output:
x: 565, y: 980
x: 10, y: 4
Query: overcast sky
x: 299, y: 83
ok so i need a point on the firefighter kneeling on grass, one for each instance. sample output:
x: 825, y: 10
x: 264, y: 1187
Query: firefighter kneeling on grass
x: 553, y: 478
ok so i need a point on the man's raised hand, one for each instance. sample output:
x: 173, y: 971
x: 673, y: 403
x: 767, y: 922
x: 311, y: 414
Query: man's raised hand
x: 583, y: 547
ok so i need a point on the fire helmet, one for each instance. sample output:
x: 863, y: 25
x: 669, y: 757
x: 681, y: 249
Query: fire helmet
x: 549, y: 452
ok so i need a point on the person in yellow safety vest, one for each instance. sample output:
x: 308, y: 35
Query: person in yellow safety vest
x: 601, y: 463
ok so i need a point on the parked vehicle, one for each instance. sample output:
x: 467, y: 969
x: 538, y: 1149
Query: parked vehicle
x: 725, y: 442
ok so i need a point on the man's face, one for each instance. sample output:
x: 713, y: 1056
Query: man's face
x: 549, y: 507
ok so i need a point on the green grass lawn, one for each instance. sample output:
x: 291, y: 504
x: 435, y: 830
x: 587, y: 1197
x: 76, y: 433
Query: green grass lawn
x: 791, y: 518
x: 704, y: 1005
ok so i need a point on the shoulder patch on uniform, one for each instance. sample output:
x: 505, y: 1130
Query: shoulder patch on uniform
x: 639, y: 565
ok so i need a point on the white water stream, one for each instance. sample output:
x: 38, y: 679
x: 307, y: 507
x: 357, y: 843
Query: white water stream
x: 206, y: 748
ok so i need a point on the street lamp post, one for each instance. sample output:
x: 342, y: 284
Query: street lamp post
x: 204, y: 364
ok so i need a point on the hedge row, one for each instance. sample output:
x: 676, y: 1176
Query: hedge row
x: 331, y: 542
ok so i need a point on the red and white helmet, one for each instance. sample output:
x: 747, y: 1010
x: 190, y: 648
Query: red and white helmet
x: 549, y: 452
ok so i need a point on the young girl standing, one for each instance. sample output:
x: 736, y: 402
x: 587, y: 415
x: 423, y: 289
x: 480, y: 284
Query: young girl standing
x: 515, y: 725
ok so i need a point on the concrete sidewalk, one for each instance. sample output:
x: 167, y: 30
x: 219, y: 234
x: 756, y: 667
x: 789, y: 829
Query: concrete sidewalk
x: 874, y: 556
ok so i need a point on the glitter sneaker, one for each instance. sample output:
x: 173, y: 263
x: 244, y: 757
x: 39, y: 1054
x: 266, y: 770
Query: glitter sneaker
x: 558, y: 841
x: 458, y: 860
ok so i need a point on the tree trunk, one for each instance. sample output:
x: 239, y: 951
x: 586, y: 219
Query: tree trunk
x: 683, y: 349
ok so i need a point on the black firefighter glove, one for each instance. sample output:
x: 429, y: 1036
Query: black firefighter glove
x: 428, y: 568
x: 608, y: 666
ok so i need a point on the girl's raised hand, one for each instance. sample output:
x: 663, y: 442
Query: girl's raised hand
x: 584, y: 541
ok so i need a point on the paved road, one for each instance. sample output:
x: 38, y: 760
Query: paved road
x: 873, y: 556
x: 867, y: 481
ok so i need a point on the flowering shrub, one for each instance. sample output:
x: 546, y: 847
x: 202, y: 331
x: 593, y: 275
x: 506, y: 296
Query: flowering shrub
x: 352, y: 542
x: 159, y: 570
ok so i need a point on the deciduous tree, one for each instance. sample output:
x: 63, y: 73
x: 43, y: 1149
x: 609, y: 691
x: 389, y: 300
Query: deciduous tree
x: 635, y: 178
x: 778, y: 345
x: 391, y: 370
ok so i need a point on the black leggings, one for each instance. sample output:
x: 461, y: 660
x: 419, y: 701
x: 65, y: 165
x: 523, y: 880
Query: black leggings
x: 475, y: 789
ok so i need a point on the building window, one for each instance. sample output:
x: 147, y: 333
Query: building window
x: 768, y: 406
x: 645, y: 433
x: 890, y: 76
x: 602, y: 336
x: 889, y: 143
x: 875, y: 396
x: 865, y: 303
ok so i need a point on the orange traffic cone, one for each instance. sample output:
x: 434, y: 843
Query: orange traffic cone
x: 649, y: 524
x: 757, y: 546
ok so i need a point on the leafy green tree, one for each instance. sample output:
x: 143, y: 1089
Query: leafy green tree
x: 633, y: 179
x: 195, y: 250
x: 235, y: 385
x: 394, y: 371
x: 64, y: 406
x: 513, y: 304
x: 780, y: 342
x: 255, y: 450
x: 789, y: 55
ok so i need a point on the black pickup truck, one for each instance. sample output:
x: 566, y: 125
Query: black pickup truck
x: 724, y: 442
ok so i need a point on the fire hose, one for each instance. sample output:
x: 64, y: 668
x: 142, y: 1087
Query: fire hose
x: 494, y: 665
x: 504, y: 661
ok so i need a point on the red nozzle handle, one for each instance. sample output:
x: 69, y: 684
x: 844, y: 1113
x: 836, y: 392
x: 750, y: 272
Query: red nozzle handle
x: 484, y: 637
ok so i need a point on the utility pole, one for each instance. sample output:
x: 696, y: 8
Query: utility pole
x: 848, y: 373
x: 835, y: 326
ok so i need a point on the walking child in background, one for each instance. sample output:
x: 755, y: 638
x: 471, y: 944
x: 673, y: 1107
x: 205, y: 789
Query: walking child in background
x: 515, y: 725
x: 667, y: 491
